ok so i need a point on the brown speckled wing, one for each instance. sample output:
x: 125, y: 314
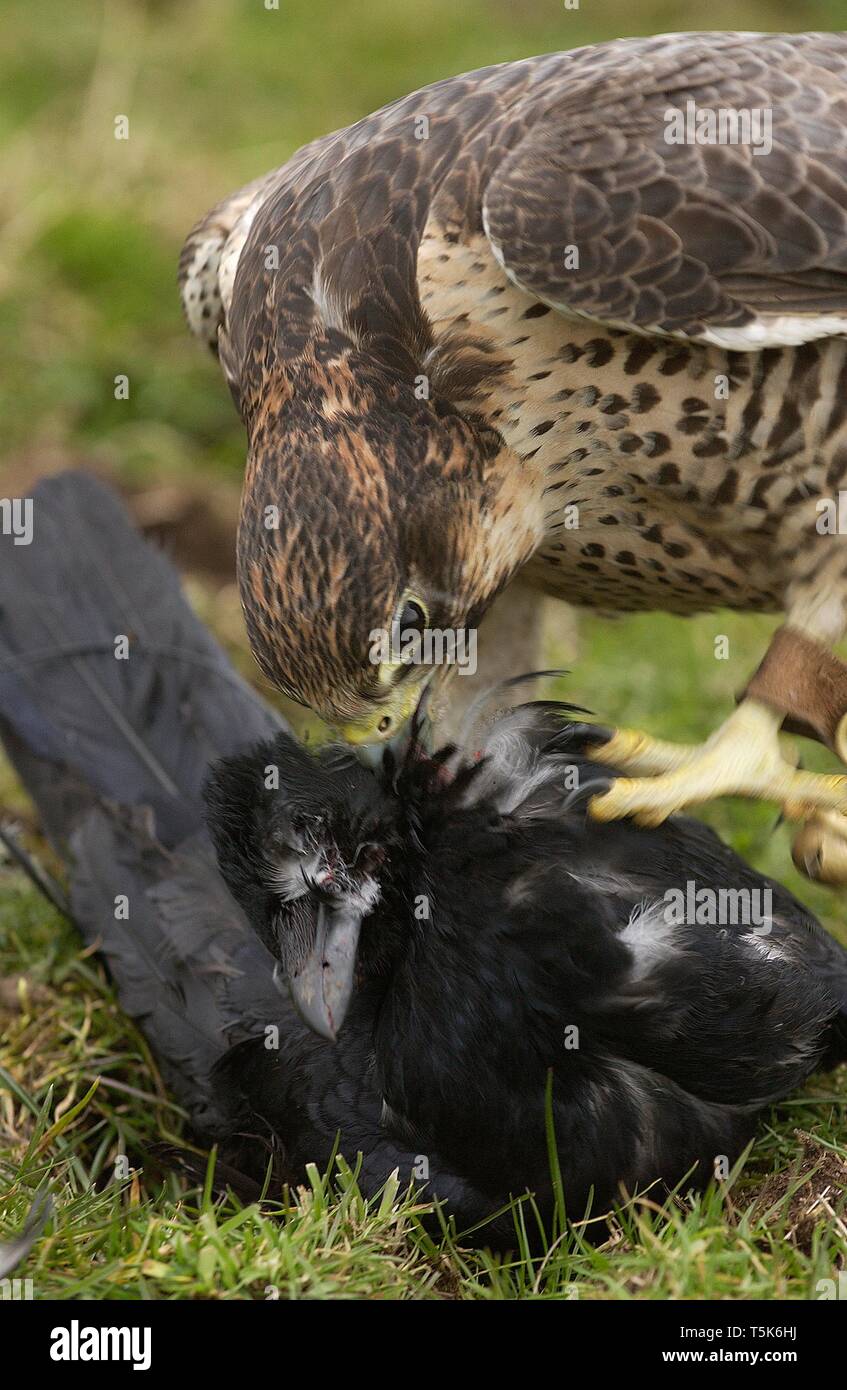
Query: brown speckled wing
x: 684, y: 237
x: 345, y: 217
x: 563, y: 151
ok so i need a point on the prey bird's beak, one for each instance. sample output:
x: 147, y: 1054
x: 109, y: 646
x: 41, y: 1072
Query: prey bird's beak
x: 322, y: 987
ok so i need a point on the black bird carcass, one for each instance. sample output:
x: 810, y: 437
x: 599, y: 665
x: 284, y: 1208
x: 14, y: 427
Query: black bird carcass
x: 439, y: 965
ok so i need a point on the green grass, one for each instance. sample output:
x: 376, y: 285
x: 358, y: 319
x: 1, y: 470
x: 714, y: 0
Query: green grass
x: 89, y: 240
x: 149, y: 1236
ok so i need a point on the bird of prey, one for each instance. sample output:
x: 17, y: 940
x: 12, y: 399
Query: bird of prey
x: 479, y: 969
x: 579, y: 319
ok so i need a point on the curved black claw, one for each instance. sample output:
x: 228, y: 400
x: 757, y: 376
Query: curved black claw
x: 579, y: 735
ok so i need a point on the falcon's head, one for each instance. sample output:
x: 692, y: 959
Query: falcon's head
x: 369, y: 515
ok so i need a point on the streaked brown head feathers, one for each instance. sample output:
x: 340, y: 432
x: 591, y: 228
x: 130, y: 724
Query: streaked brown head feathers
x: 356, y: 493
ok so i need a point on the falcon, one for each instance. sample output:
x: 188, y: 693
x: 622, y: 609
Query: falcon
x: 580, y: 320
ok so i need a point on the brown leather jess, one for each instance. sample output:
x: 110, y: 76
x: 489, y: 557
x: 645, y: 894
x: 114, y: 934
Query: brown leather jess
x: 802, y: 678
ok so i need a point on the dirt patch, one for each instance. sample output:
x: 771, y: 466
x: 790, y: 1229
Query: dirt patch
x: 18, y: 993
x: 815, y: 1188
x: 194, y: 521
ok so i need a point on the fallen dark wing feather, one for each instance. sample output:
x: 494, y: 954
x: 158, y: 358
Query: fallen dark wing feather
x: 86, y: 580
x: 14, y: 1252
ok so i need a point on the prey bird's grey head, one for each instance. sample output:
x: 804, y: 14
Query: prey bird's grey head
x: 300, y: 842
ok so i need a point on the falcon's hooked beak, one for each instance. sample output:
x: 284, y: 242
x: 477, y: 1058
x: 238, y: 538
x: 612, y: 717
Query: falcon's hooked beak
x: 323, y: 985
x: 399, y: 726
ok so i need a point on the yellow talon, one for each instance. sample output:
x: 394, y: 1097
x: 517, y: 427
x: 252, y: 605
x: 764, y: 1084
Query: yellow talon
x: 742, y: 758
x: 820, y: 848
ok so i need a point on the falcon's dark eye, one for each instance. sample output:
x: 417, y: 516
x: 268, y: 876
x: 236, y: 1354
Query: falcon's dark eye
x: 413, y: 617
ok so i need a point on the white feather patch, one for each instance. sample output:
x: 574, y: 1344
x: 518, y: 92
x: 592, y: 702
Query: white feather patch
x: 776, y: 330
x: 233, y: 248
x: 649, y: 935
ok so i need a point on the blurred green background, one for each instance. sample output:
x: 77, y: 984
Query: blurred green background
x: 216, y: 92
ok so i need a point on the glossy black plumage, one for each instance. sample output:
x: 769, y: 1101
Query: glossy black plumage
x: 496, y: 918
x: 540, y: 921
